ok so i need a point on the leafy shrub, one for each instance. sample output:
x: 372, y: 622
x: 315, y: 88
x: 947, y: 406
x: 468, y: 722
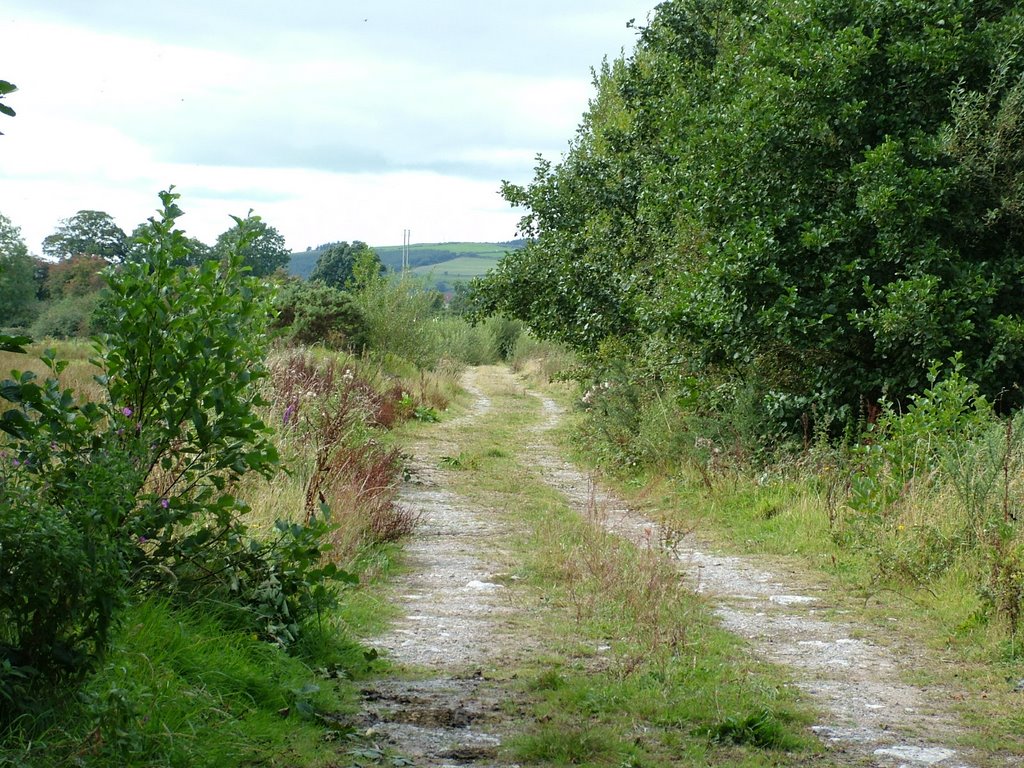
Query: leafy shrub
x: 399, y: 317
x: 104, y: 498
x: 182, y: 362
x: 68, y: 317
x: 287, y: 579
x: 460, y: 341
x: 940, y: 482
x: 908, y: 447
x: 67, y: 482
x: 504, y: 334
x: 315, y: 313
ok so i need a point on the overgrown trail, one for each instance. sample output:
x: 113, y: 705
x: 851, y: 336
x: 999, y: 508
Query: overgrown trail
x: 462, y: 618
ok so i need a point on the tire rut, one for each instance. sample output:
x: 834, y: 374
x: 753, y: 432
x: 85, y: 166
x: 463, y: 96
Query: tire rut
x: 453, y: 624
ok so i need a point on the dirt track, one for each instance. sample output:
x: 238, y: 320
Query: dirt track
x: 460, y: 621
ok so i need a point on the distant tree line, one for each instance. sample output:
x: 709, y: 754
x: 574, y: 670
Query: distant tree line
x: 57, y: 295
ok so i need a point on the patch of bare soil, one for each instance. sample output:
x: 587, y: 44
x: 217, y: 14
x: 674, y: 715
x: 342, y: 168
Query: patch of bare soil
x: 870, y: 716
x: 455, y: 625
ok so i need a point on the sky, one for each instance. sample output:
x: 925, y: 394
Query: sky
x: 331, y: 119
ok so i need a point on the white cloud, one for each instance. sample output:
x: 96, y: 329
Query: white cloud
x: 329, y: 126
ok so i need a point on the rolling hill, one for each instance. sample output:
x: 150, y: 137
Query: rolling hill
x: 444, y: 263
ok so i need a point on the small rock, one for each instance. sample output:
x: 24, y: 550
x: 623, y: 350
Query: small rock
x: 917, y: 755
x: 792, y: 599
x: 483, y: 586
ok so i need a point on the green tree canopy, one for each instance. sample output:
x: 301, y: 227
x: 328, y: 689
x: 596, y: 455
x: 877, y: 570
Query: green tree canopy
x: 264, y: 250
x: 77, y: 276
x: 17, y: 277
x: 87, y: 233
x: 336, y: 264
x: 316, y: 313
x: 826, y: 195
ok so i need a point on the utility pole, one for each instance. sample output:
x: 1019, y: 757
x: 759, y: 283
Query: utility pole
x: 406, y: 241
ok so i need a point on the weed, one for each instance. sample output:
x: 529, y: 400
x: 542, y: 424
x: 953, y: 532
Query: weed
x: 564, y: 744
x: 331, y: 411
x: 460, y: 462
x: 763, y: 729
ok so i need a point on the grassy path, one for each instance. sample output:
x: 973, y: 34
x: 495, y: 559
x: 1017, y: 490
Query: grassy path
x: 531, y: 635
x: 547, y: 623
x: 857, y: 678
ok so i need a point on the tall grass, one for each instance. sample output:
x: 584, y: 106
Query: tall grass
x: 405, y: 318
x: 543, y: 361
x: 331, y: 412
x: 929, y: 495
x: 182, y: 688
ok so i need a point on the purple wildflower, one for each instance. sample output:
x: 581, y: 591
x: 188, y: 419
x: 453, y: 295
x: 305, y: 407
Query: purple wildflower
x: 288, y: 413
x: 126, y: 411
x: 165, y: 503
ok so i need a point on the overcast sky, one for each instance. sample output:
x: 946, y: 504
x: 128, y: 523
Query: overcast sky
x: 332, y: 119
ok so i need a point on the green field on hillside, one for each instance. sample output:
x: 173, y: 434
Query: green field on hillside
x: 462, y: 268
x: 445, y: 263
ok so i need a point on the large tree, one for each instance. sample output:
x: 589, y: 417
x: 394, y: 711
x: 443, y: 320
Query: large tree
x: 263, y: 249
x: 17, y: 277
x: 87, y: 233
x: 826, y: 195
x: 337, y: 262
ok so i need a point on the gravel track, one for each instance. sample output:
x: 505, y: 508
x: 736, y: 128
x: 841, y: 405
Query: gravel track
x: 459, y: 622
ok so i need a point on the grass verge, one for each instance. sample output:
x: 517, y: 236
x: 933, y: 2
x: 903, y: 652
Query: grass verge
x: 183, y: 687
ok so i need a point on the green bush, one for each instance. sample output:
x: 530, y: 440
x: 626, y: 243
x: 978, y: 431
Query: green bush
x: 135, y: 493
x: 315, y: 313
x: 399, y: 316
x: 938, y: 483
x: 63, y: 568
x: 457, y: 340
x: 748, y: 184
x: 67, y: 480
x: 504, y: 334
x: 68, y: 317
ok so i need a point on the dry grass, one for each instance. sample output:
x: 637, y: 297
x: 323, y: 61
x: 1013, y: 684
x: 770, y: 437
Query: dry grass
x: 330, y: 412
x: 78, y: 376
